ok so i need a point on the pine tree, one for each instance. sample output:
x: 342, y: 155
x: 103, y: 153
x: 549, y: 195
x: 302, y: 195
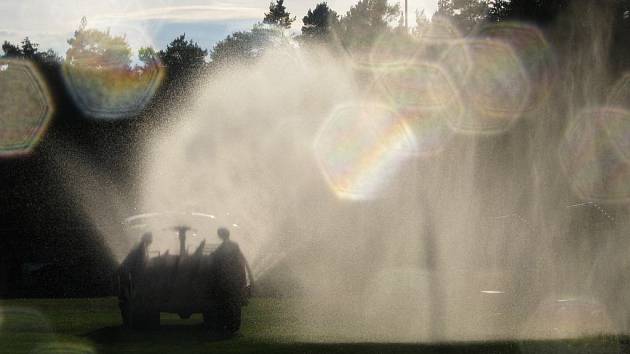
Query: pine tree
x: 318, y: 23
x: 278, y: 15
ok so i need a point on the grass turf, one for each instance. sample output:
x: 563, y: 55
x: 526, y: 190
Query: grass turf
x: 94, y: 326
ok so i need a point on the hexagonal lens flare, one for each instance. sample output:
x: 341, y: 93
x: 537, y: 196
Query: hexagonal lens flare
x: 360, y: 147
x: 595, y: 168
x: 391, y: 50
x: 438, y: 31
x: 493, y: 83
x: 111, y: 93
x: 25, y: 107
x: 618, y: 119
x: 100, y: 78
x: 534, y: 53
x: 424, y: 95
x: 416, y: 85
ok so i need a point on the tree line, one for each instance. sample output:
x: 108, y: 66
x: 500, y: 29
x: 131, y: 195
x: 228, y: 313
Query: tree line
x: 357, y: 29
x: 114, y: 146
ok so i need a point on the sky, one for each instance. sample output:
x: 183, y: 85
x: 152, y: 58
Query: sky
x: 151, y: 22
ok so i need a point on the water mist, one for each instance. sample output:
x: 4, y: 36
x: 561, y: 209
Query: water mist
x: 478, y: 212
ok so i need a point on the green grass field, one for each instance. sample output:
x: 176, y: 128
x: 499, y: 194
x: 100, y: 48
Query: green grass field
x: 93, y: 326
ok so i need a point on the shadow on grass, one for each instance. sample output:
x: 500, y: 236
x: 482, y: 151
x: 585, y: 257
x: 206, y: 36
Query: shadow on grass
x: 195, y: 338
x: 164, y: 333
x: 190, y: 339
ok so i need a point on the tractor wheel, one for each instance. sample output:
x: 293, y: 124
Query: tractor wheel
x: 137, y: 318
x: 210, y: 320
x: 126, y: 312
x: 146, y: 319
x: 228, y: 317
x: 233, y: 317
x: 184, y: 315
x: 224, y: 317
x: 125, y: 300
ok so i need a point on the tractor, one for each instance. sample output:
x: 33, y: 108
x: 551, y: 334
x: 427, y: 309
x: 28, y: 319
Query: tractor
x: 149, y: 282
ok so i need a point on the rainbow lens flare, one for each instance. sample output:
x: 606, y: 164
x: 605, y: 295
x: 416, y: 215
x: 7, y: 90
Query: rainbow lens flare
x: 618, y: 120
x: 99, y: 74
x: 25, y: 107
x: 423, y: 94
x: 594, y: 166
x: 360, y: 147
x: 111, y: 93
x: 391, y: 50
x: 439, y: 30
x: 534, y: 53
x: 493, y: 83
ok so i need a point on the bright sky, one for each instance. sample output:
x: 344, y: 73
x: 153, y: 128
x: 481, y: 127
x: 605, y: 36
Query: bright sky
x: 151, y: 22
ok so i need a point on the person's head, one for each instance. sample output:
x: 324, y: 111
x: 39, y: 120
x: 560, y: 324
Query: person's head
x: 147, y: 238
x: 224, y: 233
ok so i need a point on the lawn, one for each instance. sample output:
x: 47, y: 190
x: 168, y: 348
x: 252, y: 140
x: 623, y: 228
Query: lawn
x: 93, y: 326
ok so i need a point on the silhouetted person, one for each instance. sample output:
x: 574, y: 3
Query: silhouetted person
x: 130, y: 269
x: 145, y: 242
x: 229, y: 283
x: 139, y: 255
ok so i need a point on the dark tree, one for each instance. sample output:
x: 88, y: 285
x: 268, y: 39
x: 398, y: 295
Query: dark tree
x: 235, y: 47
x: 11, y: 50
x: 30, y: 50
x: 498, y: 10
x: 540, y: 12
x: 620, y: 52
x: 184, y: 61
x: 148, y: 56
x: 49, y: 57
x: 244, y: 46
x: 366, y: 21
x: 181, y: 56
x: 319, y: 22
x: 465, y: 14
x: 278, y: 15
